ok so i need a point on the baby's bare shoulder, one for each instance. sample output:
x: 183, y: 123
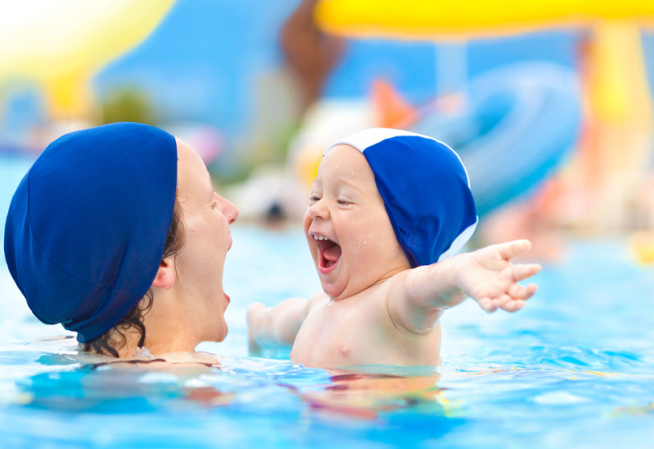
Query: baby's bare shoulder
x: 395, y: 284
x: 319, y: 297
x: 377, y: 296
x: 315, y: 301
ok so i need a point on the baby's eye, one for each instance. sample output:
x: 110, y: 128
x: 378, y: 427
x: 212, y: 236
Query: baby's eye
x: 343, y: 202
x: 313, y: 198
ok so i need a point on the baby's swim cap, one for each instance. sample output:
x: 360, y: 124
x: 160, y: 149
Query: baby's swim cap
x: 425, y: 189
x: 87, y: 225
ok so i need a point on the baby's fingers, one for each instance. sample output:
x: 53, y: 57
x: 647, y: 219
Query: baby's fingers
x: 514, y: 306
x: 512, y: 249
x: 521, y: 272
x: 518, y: 295
x: 488, y: 304
x: 517, y: 291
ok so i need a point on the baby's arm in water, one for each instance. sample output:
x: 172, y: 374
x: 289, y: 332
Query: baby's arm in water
x: 277, y: 326
x: 419, y: 297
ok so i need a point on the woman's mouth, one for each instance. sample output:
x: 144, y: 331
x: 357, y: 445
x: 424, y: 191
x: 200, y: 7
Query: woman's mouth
x: 330, y: 254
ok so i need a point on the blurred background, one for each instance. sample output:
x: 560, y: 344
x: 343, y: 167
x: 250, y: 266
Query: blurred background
x: 549, y: 104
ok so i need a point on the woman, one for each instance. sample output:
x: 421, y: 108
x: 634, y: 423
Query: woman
x: 116, y: 233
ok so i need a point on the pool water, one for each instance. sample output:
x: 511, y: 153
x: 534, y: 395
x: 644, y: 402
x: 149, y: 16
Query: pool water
x: 574, y: 369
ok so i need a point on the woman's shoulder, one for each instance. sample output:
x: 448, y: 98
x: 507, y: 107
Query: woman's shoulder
x: 145, y: 359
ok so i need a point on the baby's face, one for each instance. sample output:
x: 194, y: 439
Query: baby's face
x: 349, y: 233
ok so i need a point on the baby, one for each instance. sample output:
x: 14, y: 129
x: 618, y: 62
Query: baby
x: 388, y: 211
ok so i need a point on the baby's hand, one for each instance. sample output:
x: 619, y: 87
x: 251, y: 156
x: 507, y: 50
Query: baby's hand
x: 488, y: 276
x: 255, y: 310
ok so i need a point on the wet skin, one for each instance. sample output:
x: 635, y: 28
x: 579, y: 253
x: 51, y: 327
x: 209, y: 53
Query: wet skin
x: 189, y: 302
x: 375, y: 309
x: 346, y: 208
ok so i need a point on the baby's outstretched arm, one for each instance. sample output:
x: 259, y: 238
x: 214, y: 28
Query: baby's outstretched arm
x: 418, y: 298
x: 277, y: 326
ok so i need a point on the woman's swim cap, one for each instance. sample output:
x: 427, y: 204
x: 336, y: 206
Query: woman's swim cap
x: 425, y: 189
x: 86, y: 227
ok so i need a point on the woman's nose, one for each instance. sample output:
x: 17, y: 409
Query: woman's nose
x: 229, y: 210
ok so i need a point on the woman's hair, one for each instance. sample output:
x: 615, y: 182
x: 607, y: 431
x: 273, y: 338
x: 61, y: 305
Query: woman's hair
x: 115, y: 338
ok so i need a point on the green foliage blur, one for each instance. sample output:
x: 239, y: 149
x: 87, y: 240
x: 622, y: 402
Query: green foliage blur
x: 128, y: 104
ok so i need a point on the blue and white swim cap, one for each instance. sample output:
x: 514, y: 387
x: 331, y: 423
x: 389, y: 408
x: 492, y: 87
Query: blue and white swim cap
x: 86, y: 228
x: 425, y: 189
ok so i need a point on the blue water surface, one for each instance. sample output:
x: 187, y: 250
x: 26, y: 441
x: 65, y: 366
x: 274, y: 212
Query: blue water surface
x: 575, y: 369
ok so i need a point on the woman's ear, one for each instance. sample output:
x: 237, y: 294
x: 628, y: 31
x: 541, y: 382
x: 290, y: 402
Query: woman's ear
x: 166, y: 275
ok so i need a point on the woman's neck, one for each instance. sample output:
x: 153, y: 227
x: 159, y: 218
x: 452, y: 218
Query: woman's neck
x: 167, y: 330
x: 154, y: 344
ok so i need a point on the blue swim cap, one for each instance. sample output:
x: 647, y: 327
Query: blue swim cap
x: 86, y: 228
x: 425, y: 189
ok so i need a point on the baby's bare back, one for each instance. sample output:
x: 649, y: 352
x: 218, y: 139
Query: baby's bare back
x: 359, y: 331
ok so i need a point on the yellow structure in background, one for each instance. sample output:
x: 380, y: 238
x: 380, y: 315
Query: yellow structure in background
x: 424, y: 19
x: 610, y: 168
x: 59, y: 45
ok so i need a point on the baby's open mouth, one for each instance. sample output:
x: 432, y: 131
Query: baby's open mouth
x: 330, y: 253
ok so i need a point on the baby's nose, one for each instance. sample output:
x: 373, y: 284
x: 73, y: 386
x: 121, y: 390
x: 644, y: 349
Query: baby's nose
x: 318, y: 210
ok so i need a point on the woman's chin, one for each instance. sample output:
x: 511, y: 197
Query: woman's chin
x: 217, y: 335
x: 222, y: 337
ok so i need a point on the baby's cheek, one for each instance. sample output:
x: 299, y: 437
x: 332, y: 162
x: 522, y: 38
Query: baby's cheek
x: 367, y: 250
x: 306, y: 221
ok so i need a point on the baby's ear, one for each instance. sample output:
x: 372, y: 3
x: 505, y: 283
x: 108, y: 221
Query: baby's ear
x: 166, y: 274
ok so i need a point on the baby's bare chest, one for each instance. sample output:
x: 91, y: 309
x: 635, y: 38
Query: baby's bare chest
x: 342, y: 334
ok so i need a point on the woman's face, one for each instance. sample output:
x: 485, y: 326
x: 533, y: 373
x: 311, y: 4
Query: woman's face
x: 199, y: 265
